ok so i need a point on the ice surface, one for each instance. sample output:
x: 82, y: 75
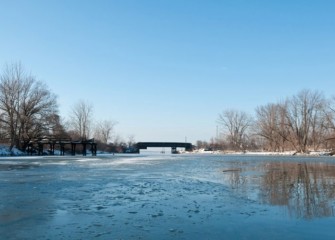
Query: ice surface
x: 167, y: 197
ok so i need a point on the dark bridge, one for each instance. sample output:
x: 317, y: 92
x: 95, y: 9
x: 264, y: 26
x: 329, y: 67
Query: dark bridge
x: 172, y: 145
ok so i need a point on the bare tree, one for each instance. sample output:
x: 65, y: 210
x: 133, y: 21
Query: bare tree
x: 305, y: 119
x: 56, y: 127
x: 25, y: 105
x: 81, y: 119
x: 235, y: 124
x: 131, y: 140
x: 329, y: 121
x: 202, y: 144
x: 104, y: 130
x: 270, y: 124
x: 331, y: 114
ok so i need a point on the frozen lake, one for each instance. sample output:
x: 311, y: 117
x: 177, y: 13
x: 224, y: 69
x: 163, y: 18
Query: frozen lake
x: 167, y: 197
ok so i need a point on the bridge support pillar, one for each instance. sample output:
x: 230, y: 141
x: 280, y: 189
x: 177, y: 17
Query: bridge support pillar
x: 174, y: 150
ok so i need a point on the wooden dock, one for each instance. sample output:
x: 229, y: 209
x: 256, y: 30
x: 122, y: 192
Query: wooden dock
x: 38, y: 145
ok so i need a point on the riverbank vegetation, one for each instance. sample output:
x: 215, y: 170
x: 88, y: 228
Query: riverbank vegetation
x: 302, y: 123
x: 29, y: 111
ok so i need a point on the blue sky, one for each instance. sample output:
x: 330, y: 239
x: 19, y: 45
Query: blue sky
x: 165, y: 69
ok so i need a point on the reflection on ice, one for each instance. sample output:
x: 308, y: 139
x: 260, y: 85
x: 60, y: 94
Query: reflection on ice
x: 306, y: 189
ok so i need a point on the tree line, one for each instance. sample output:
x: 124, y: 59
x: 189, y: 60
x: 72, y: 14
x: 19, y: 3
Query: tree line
x: 29, y: 111
x: 302, y: 123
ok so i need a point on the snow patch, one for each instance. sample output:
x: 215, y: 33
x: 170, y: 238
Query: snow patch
x: 4, y: 151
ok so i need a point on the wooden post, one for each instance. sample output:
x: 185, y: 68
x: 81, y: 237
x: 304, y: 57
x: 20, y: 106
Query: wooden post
x: 84, y: 148
x: 30, y: 149
x: 52, y: 148
x: 73, y: 149
x: 62, y: 149
x: 94, y: 149
x: 40, y: 149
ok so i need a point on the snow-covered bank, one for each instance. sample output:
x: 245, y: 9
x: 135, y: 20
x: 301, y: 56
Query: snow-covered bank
x: 286, y: 153
x: 4, y: 151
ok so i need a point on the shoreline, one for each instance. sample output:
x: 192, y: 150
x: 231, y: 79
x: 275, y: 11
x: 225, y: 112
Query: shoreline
x: 4, y: 152
x: 263, y: 153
